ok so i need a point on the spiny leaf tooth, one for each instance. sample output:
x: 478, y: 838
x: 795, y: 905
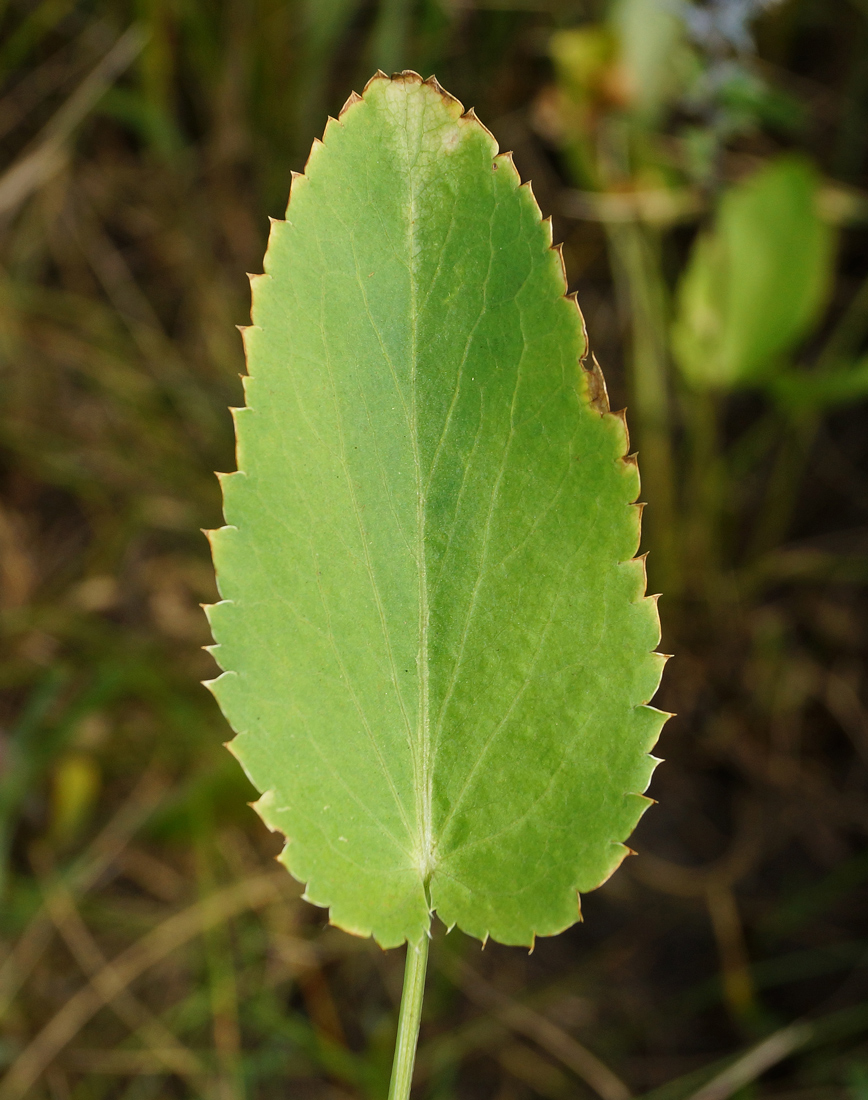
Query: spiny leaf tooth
x: 378, y: 75
x: 330, y: 124
x: 661, y: 664
x: 663, y: 717
x: 297, y: 180
x: 352, y: 99
x: 574, y: 298
x: 245, y: 330
x: 508, y: 161
x: 527, y: 186
x: 254, y: 278
x: 624, y: 852
x: 621, y: 414
x: 315, y: 148
x: 447, y: 97
x: 471, y: 116
x: 212, y: 684
x: 558, y: 249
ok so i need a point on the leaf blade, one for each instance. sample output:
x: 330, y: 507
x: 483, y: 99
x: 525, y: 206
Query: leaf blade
x: 415, y: 544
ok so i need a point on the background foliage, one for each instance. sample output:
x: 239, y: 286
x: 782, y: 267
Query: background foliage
x: 706, y: 166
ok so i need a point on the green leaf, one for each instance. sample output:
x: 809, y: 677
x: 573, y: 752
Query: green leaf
x: 436, y: 642
x: 756, y: 283
x: 817, y: 390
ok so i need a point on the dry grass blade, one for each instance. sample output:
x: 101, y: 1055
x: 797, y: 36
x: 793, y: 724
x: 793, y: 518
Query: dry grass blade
x: 173, y: 1055
x: 123, y: 1063
x: 103, y: 851
x: 752, y: 1065
x: 57, y: 72
x: 129, y: 965
x: 693, y: 882
x: 518, y: 1017
x: 34, y: 167
x: 525, y: 1064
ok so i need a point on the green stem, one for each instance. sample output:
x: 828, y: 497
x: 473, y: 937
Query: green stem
x: 408, y: 1023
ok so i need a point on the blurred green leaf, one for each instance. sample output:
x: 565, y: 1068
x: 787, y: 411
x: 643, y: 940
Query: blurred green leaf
x: 822, y: 389
x: 756, y: 282
x: 652, y: 54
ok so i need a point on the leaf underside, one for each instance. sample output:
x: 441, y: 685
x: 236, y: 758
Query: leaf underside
x: 436, y: 643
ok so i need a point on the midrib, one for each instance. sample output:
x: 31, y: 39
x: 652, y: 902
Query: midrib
x: 422, y: 762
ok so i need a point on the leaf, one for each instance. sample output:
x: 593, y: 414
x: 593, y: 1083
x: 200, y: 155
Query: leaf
x: 756, y: 283
x: 817, y: 390
x: 436, y: 645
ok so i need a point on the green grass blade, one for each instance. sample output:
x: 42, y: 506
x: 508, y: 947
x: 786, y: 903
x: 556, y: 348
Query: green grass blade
x: 436, y: 643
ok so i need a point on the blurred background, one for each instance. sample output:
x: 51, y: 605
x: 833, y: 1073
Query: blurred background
x: 705, y: 164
